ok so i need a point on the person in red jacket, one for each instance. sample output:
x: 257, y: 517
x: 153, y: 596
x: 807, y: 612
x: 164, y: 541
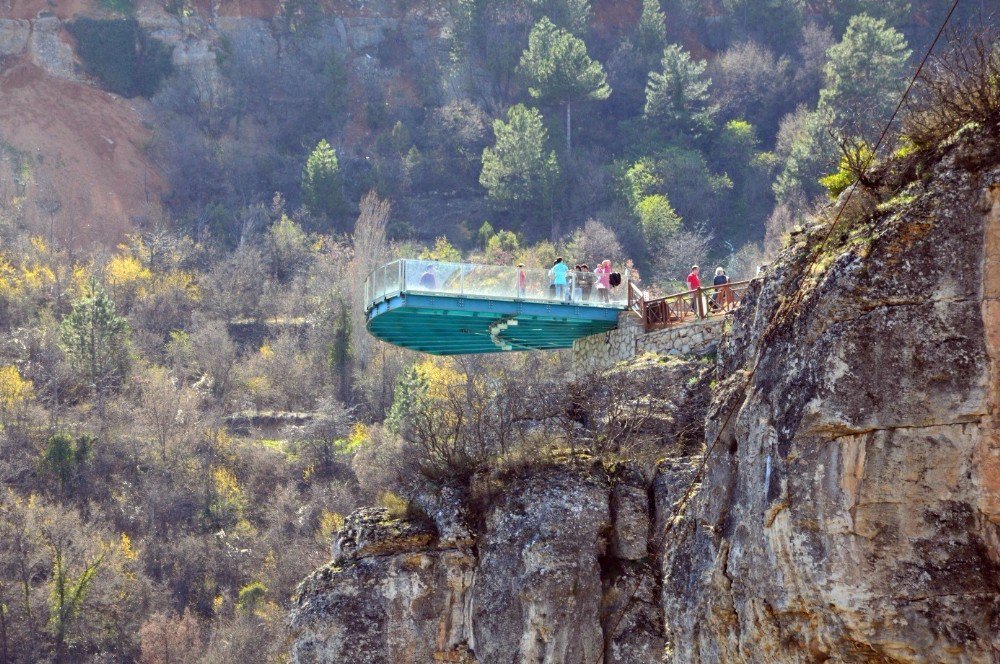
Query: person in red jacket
x: 694, y: 283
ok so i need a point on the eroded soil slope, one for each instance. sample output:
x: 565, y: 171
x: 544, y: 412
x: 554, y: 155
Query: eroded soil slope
x: 71, y: 157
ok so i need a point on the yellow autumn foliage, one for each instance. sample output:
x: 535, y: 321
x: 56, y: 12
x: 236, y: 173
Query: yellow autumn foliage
x: 15, y: 391
x: 442, y: 377
x: 126, y: 271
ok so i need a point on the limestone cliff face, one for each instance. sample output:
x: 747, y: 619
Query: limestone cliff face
x: 843, y: 503
x: 849, y: 511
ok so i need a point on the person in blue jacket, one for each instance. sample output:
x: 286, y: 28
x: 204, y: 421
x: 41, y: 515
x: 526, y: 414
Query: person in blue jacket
x: 558, y: 275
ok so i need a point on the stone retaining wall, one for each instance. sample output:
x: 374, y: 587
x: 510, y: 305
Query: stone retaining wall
x: 602, y: 351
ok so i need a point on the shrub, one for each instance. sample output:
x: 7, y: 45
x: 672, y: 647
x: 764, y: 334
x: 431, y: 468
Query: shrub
x: 956, y: 89
x: 124, y: 57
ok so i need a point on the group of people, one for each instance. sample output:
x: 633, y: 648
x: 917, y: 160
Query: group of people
x: 722, y: 296
x: 579, y: 283
x: 574, y: 285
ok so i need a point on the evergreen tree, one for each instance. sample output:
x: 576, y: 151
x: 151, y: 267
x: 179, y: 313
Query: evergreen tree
x: 864, y: 76
x: 322, y: 185
x: 573, y: 15
x: 559, y: 70
x: 677, y: 97
x: 95, y: 339
x: 518, y: 173
x: 651, y: 33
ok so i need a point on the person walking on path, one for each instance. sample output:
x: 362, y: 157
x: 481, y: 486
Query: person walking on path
x: 558, y: 274
x: 694, y: 283
x: 603, y: 272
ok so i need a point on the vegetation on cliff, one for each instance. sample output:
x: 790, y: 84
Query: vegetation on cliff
x: 187, y: 418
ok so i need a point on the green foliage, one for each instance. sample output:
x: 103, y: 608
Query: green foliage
x: 63, y: 456
x: 288, y: 247
x: 558, y: 68
x: 485, y: 233
x: 773, y: 22
x: 677, y: 98
x: 518, y: 174
x: 119, y: 6
x: 641, y: 179
x: 322, y: 183
x: 848, y: 172
x: 408, y: 400
x: 341, y: 354
x: 651, y: 33
x: 503, y: 248
x: 657, y: 219
x: 443, y: 251
x: 893, y: 12
x: 123, y: 56
x: 573, y: 15
x: 811, y: 153
x: 96, y: 340
x: 251, y: 595
x: 864, y: 76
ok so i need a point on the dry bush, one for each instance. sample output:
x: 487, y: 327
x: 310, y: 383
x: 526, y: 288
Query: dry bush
x: 167, y: 639
x: 959, y: 87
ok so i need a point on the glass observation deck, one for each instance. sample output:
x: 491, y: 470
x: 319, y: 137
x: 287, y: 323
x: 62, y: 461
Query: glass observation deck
x: 459, y: 308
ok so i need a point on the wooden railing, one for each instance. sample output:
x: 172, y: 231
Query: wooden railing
x: 705, y: 302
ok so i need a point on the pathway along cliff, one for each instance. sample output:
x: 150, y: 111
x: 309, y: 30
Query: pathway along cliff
x: 850, y: 513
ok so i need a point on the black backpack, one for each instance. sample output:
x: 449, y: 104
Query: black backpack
x: 615, y: 279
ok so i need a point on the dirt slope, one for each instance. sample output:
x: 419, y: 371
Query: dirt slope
x: 71, y: 158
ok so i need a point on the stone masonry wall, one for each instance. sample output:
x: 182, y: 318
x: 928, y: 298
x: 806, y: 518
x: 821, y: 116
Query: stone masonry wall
x: 602, y: 351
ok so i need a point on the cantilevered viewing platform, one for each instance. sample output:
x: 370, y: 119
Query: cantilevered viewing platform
x: 458, y: 308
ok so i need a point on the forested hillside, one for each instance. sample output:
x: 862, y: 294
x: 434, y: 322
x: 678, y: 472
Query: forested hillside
x: 191, y: 196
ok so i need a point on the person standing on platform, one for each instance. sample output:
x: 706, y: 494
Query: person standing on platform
x: 521, y: 281
x: 558, y: 274
x: 694, y: 284
x: 603, y: 272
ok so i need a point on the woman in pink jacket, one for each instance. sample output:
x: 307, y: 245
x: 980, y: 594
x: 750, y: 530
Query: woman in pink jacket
x: 603, y: 272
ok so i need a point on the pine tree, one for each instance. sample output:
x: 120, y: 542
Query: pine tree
x: 559, y: 70
x: 678, y: 96
x: 517, y: 172
x: 651, y: 33
x: 95, y: 339
x: 864, y: 76
x: 322, y: 186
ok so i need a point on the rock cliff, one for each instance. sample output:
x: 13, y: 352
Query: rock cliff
x: 841, y: 503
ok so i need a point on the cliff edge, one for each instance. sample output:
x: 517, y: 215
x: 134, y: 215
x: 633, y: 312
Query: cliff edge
x: 842, y: 502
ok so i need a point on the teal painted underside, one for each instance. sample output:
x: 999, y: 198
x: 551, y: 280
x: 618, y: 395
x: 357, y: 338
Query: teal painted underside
x: 447, y: 325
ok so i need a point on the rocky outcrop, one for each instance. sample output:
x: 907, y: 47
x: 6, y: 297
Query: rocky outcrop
x: 538, y: 592
x: 49, y: 50
x: 41, y: 41
x: 14, y: 35
x: 391, y: 594
x: 845, y: 512
x: 838, y: 500
x: 554, y: 576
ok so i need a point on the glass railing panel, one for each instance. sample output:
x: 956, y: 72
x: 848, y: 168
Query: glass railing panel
x: 491, y: 281
x: 422, y: 276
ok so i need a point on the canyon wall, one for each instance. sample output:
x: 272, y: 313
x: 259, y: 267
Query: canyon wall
x: 842, y: 502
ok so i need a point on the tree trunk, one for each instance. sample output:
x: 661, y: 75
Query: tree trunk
x: 569, y: 142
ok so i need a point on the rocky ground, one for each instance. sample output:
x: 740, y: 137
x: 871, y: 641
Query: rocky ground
x: 849, y: 508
